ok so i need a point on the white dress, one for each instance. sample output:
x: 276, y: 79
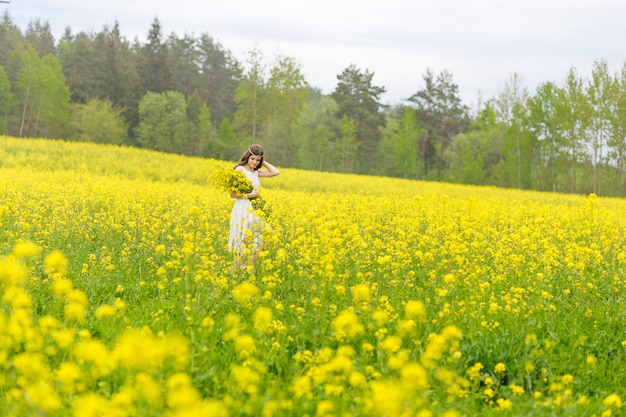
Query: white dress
x: 245, y: 226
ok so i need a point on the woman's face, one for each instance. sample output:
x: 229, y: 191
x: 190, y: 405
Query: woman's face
x: 254, y: 161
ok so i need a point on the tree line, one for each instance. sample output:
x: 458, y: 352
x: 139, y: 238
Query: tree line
x: 190, y: 95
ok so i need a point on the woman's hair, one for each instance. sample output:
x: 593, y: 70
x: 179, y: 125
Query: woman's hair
x: 256, y: 150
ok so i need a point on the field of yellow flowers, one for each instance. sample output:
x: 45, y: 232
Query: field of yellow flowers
x: 372, y: 296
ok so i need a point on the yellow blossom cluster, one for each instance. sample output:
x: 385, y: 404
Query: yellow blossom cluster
x: 371, y: 296
x: 55, y: 366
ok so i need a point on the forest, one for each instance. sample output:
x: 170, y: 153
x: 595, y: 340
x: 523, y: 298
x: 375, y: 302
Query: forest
x: 189, y: 95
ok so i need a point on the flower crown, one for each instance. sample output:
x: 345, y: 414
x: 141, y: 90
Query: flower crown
x: 252, y: 153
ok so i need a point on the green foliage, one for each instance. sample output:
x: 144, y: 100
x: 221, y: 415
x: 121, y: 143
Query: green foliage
x: 285, y: 93
x: 219, y: 73
x: 163, y: 122
x: 248, y: 96
x: 359, y: 101
x: 42, y: 94
x: 406, y: 145
x: 39, y: 36
x: 81, y: 66
x: 11, y: 36
x: 544, y: 123
x: 316, y: 132
x: 97, y: 121
x: 442, y: 115
x: 200, y: 130
x: 227, y: 145
x: 206, y: 132
x: 156, y: 75
x: 348, y: 145
x: 6, y: 102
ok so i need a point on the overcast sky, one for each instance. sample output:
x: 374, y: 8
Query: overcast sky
x: 482, y: 43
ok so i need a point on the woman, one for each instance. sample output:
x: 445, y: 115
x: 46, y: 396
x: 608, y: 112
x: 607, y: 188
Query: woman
x: 245, y: 226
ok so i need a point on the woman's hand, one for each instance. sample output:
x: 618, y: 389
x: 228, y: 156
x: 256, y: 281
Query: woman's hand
x: 254, y: 193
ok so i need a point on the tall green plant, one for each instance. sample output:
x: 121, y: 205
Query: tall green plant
x: 359, y: 100
x: 41, y: 93
x: 7, y: 104
x: 406, y: 145
x: 617, y: 138
x: 317, y: 134
x: 97, y: 121
x: 286, y: 92
x: 163, y: 122
x: 442, y: 114
x: 248, y: 96
x: 598, y: 92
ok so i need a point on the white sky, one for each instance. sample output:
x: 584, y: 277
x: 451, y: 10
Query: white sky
x: 482, y: 43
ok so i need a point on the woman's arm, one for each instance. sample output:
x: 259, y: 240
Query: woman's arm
x: 270, y: 170
x: 253, y: 194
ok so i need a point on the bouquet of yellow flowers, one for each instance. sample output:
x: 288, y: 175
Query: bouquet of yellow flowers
x: 234, y: 181
x: 231, y: 181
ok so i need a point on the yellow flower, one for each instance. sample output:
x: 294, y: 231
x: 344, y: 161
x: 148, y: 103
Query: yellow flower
x: 44, y: 396
x: 31, y: 366
x: 346, y: 325
x: 94, y: 353
x: 148, y: 388
x: 361, y: 293
x: 387, y: 397
x: 406, y: 327
x: 391, y: 344
x: 89, y: 405
x: 473, y: 372
x: 415, y: 310
x: 324, y: 408
x: 517, y: 389
x: 55, y: 263
x: 247, y: 379
x: 262, y: 318
x: 381, y: 317
x: 231, y: 180
x: 244, y: 345
x: 48, y: 323
x: 613, y: 400
x: 245, y: 293
x: 75, y: 311
x: 504, y: 404
x: 180, y: 391
x: 104, y: 310
x: 414, y: 376
x: 17, y: 298
x: 302, y: 387
x: 12, y: 271
x: 357, y: 379
x: 64, y: 337
x: 591, y: 360
x: 500, y: 368
x: 61, y: 287
x: 67, y: 374
x: 26, y: 250
x: 139, y: 349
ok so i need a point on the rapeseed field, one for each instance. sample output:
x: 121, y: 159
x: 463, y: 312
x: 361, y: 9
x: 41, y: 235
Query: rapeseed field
x: 372, y: 296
